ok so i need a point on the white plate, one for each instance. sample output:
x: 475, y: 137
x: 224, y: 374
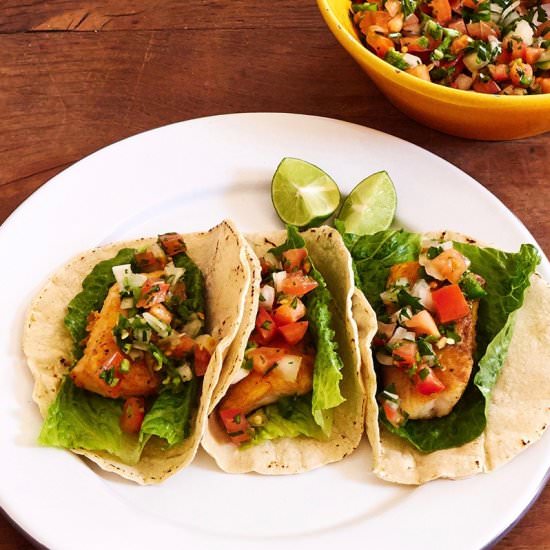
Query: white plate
x: 189, y: 176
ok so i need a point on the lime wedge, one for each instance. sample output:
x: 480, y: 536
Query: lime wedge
x: 302, y: 194
x: 370, y: 207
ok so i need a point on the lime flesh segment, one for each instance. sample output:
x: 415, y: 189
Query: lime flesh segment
x: 371, y: 206
x: 302, y: 194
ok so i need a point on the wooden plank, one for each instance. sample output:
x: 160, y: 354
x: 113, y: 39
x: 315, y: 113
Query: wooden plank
x: 109, y: 15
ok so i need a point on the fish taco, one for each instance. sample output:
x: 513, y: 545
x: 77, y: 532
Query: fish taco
x: 456, y: 373
x: 290, y: 398
x: 126, y: 343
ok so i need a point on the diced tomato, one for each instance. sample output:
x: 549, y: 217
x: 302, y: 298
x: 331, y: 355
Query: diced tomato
x: 532, y: 54
x: 236, y: 424
x: 489, y: 87
x: 460, y: 44
x: 404, y: 270
x: 289, y: 312
x: 265, y: 325
x: 297, y: 284
x: 263, y: 358
x: 201, y: 359
x: 416, y: 44
x: 499, y: 72
x: 481, y: 30
x: 376, y: 18
x: 146, y: 262
x: 404, y: 355
x: 428, y: 384
x: 543, y: 83
x: 377, y: 40
x: 153, y: 291
x: 450, y: 265
x: 423, y: 323
x: 441, y: 11
x: 294, y: 332
x: 450, y: 304
x: 161, y: 313
x: 515, y: 46
x: 132, y: 415
x: 471, y: 4
x: 521, y: 74
x: 458, y: 25
x: 293, y: 259
x: 172, y: 243
x: 392, y: 412
x: 177, y: 346
x: 503, y: 58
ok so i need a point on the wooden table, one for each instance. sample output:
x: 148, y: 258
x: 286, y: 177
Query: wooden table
x: 76, y: 76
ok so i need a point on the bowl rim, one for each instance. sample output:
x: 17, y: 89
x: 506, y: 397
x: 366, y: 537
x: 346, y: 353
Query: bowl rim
x: 465, y: 97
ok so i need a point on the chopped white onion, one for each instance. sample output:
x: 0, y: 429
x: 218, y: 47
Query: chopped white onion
x: 127, y: 303
x: 193, y: 326
x: 126, y: 279
x: 185, y: 372
x: 173, y: 273
x: 384, y: 359
x: 524, y: 31
x: 386, y: 329
x: 207, y: 342
x: 421, y: 290
x: 267, y: 297
x: 278, y: 279
x: 289, y: 366
x: 412, y: 60
x: 158, y: 326
x: 401, y: 334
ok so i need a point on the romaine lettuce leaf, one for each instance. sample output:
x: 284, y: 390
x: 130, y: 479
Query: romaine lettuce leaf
x: 507, y: 276
x: 94, y: 291
x: 79, y: 419
x: 290, y: 417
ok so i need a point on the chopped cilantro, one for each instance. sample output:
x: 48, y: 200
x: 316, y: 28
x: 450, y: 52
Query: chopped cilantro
x: 424, y: 373
x: 434, y: 252
x: 405, y: 299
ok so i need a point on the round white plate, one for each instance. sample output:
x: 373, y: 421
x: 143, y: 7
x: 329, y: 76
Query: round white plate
x: 187, y: 177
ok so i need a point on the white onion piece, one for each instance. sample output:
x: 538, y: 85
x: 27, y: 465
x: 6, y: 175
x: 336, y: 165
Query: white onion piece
x: 158, y: 326
x: 447, y: 245
x: 127, y: 303
x: 185, y: 372
x: 126, y: 279
x: 267, y: 297
x: 386, y: 329
x: 207, y: 342
x: 278, y: 279
x: 510, y: 9
x: 524, y: 31
x: 412, y: 60
x: 401, y: 334
x: 384, y: 359
x: 173, y: 272
x: 421, y: 290
x: 289, y: 366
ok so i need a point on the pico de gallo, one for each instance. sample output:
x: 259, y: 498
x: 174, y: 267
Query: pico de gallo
x: 492, y: 47
x: 280, y: 355
x: 425, y: 344
x: 148, y: 338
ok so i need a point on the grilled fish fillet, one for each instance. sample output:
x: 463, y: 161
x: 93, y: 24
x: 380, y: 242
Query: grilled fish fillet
x: 140, y: 380
x: 257, y: 390
x: 456, y: 367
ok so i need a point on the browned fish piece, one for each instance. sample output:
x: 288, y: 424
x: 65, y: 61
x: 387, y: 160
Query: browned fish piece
x: 257, y: 390
x: 405, y: 270
x: 100, y: 346
x: 456, y: 361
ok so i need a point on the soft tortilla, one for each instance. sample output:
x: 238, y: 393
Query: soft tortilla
x: 518, y: 413
x: 294, y: 455
x: 221, y: 256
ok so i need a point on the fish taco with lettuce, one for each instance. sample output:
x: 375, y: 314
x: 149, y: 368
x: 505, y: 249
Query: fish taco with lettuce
x: 290, y: 398
x: 456, y: 371
x: 126, y: 343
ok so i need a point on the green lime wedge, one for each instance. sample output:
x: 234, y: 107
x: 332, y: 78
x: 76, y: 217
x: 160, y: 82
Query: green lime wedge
x: 302, y: 194
x: 370, y: 207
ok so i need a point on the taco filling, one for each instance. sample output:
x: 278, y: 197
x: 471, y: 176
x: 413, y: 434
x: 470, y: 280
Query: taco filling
x: 289, y: 380
x: 138, y: 329
x: 426, y: 339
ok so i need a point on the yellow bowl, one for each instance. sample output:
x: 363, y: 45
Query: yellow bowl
x: 461, y: 113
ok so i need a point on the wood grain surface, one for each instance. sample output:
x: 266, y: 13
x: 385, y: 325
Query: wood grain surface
x: 76, y: 76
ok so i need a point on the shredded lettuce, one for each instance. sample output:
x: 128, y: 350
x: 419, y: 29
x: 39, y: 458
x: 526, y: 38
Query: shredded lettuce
x: 507, y: 276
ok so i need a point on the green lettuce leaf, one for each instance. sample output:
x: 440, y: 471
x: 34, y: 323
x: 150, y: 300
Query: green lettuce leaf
x: 194, y: 286
x: 170, y: 415
x: 94, y: 291
x: 290, y: 417
x: 79, y: 419
x: 328, y: 365
x: 507, y: 276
